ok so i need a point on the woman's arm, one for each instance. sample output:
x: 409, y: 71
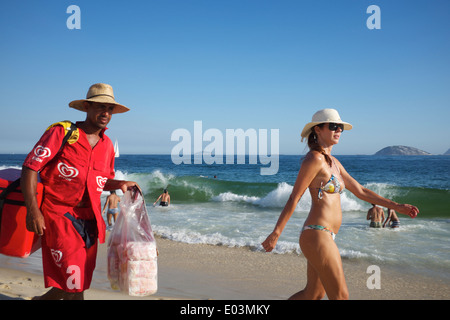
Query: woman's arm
x: 310, y: 167
x: 369, y: 196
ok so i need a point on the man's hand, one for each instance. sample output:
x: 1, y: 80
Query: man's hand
x: 35, y: 221
x: 129, y: 185
x: 123, y: 185
x: 28, y: 184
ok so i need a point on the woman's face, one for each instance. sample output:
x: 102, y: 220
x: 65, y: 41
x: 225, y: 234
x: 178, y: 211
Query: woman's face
x: 328, y: 134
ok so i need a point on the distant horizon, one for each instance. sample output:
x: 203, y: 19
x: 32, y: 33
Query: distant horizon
x: 281, y: 154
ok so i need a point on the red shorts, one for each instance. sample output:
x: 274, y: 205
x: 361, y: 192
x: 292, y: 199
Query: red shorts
x: 69, y: 249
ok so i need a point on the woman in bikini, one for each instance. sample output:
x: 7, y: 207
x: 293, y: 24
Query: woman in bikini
x: 326, y: 178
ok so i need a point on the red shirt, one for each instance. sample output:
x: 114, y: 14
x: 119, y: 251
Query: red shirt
x: 76, y: 168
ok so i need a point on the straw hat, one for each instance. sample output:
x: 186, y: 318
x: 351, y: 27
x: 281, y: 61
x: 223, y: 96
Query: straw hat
x: 324, y: 116
x: 101, y: 93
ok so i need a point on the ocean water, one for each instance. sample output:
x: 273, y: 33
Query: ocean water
x: 233, y: 205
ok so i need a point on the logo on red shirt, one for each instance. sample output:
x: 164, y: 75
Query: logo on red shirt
x: 101, y: 181
x: 41, y: 152
x: 67, y: 172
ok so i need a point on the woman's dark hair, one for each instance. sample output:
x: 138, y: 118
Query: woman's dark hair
x: 314, y: 145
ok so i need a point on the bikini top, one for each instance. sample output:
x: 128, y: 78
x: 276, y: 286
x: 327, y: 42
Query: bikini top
x: 332, y: 186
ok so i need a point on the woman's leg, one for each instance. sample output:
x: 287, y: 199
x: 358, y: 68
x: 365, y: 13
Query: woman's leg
x: 324, y: 258
x: 314, y: 289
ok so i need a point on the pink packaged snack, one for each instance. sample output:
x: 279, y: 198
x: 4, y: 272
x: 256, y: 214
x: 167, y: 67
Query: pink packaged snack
x: 132, y: 253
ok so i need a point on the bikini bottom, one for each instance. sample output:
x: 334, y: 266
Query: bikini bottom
x: 321, y: 228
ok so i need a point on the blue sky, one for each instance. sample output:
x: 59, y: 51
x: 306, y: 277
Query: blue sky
x: 250, y: 64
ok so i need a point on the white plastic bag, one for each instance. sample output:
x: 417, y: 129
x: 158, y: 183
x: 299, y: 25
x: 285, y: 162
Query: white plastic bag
x: 132, y: 254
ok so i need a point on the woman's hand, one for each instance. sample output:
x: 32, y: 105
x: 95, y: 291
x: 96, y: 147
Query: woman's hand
x: 270, y: 242
x: 408, y: 210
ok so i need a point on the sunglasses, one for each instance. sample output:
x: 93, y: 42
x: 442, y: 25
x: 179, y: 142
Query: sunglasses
x: 335, y: 126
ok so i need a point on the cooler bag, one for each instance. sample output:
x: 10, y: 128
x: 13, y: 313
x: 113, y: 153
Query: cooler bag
x: 15, y: 239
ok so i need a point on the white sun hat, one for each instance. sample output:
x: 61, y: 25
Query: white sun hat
x: 324, y: 116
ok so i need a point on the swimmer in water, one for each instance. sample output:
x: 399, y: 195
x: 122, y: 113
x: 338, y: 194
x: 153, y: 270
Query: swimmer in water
x: 165, y: 199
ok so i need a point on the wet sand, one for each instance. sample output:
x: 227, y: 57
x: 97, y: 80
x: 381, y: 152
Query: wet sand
x: 199, y: 271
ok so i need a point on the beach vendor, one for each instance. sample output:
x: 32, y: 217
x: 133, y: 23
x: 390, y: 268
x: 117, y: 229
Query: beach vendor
x: 326, y: 179
x: 74, y: 176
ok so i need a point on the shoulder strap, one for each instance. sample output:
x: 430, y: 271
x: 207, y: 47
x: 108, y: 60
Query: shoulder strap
x: 12, y: 186
x: 69, y: 127
x: 69, y: 132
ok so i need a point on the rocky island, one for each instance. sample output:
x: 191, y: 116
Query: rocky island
x: 401, y: 151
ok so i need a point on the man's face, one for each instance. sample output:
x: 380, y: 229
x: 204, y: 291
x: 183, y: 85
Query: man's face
x: 99, y: 114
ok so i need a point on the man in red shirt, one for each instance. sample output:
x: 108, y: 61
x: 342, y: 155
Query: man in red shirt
x: 70, y: 220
